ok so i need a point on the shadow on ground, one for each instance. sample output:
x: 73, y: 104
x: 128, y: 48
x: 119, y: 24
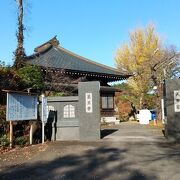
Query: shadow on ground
x: 145, y: 159
x: 99, y: 163
x: 169, y: 151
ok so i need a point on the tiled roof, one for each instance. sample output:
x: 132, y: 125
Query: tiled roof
x: 54, y: 56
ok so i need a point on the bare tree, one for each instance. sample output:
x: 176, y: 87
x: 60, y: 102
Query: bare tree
x: 165, y: 67
x: 56, y: 81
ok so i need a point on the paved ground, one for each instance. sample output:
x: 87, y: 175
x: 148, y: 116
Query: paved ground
x: 130, y: 151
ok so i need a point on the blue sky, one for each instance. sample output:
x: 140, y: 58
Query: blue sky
x: 91, y: 28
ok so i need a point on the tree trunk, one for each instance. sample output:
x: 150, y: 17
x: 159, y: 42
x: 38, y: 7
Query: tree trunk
x: 158, y: 101
x: 141, y: 101
x: 19, y: 53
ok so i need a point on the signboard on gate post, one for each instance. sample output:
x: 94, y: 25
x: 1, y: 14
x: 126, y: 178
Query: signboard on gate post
x: 89, y: 108
x: 176, y: 100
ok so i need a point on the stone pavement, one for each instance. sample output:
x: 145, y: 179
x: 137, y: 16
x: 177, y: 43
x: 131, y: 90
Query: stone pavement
x: 128, y: 151
x: 133, y: 131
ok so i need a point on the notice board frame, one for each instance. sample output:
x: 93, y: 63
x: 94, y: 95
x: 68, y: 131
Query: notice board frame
x: 21, y: 102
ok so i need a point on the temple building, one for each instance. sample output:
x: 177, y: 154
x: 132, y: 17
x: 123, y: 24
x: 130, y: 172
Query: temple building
x: 66, y: 69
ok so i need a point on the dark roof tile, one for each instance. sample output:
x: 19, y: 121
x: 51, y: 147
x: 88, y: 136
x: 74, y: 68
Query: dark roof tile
x: 55, y: 56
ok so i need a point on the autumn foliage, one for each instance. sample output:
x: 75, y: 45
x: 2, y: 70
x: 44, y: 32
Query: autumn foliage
x: 147, y: 58
x: 124, y: 108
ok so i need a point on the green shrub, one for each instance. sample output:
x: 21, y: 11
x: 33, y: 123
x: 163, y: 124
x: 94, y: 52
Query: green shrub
x: 31, y: 77
x: 4, y: 141
x: 21, y: 141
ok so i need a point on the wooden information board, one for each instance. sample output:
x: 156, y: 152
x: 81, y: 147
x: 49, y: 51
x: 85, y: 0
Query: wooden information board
x: 21, y: 107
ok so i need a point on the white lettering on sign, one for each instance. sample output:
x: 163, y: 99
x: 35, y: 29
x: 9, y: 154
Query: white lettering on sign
x: 177, y: 101
x: 89, y: 103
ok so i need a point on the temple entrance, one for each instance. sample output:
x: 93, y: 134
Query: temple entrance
x: 75, y: 117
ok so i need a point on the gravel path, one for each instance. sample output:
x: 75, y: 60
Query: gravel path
x: 127, y: 151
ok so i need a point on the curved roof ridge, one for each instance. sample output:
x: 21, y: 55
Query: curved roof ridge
x: 52, y: 42
x: 87, y: 60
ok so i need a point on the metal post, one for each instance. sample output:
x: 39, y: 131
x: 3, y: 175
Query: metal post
x: 43, y: 115
x: 162, y: 110
x: 43, y: 132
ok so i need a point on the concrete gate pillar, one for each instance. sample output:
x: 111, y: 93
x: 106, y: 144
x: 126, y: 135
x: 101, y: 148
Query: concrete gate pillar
x: 89, y: 110
x: 172, y: 105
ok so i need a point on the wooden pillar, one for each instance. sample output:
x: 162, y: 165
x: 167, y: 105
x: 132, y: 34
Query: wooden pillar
x: 11, y: 134
x: 31, y: 133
